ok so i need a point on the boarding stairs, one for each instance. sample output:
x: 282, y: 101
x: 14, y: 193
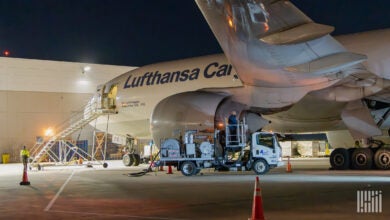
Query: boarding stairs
x: 44, y: 150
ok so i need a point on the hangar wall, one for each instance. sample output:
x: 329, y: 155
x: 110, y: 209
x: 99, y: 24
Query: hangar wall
x: 26, y: 115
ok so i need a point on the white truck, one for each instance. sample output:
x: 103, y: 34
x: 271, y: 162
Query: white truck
x: 227, y: 151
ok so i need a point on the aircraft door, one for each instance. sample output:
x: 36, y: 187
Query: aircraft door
x: 109, y: 97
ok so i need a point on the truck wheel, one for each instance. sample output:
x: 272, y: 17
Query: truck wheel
x: 339, y: 159
x: 137, y: 159
x: 260, y: 166
x: 188, y: 168
x: 128, y: 160
x: 362, y: 159
x: 382, y: 158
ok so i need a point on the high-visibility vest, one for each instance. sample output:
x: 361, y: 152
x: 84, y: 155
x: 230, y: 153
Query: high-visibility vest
x: 24, y: 152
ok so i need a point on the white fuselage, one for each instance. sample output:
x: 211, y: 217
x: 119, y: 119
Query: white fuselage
x: 140, y: 90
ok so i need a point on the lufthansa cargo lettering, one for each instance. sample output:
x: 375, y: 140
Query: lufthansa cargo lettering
x: 155, y: 78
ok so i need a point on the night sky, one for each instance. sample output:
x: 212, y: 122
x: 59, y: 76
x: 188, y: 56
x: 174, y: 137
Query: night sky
x: 139, y: 32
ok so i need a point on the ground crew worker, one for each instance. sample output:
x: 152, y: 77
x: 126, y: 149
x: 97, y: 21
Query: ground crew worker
x: 24, y: 154
x: 232, y: 123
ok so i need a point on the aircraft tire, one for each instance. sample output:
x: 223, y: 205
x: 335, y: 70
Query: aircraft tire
x: 350, y: 151
x: 137, y: 159
x: 188, y: 168
x: 382, y: 158
x: 362, y: 159
x: 340, y: 159
x: 260, y: 166
x: 128, y: 159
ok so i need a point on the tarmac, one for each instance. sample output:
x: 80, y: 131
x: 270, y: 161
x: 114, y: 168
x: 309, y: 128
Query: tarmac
x: 311, y: 191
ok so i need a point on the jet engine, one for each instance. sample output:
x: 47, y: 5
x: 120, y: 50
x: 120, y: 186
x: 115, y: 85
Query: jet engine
x: 182, y: 112
x: 199, y: 111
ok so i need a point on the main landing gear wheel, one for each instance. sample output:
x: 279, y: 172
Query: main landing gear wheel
x: 362, y: 159
x: 188, y: 168
x: 137, y: 159
x: 382, y: 158
x: 260, y: 166
x: 128, y: 159
x: 339, y: 159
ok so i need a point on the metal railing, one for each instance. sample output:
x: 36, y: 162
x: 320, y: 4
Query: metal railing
x: 235, y: 135
x: 76, y: 121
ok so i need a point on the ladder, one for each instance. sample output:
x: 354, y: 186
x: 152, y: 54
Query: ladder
x: 82, y: 118
x: 235, y: 135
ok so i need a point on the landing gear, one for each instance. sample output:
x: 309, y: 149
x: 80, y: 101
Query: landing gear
x: 128, y: 159
x: 131, y: 159
x: 362, y: 159
x: 137, y: 159
x: 382, y: 158
x: 339, y: 159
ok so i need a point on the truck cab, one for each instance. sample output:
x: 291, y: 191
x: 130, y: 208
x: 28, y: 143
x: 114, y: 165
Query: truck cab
x: 266, y: 152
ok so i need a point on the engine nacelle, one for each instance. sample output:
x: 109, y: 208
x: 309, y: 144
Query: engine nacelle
x: 202, y: 112
x: 179, y: 113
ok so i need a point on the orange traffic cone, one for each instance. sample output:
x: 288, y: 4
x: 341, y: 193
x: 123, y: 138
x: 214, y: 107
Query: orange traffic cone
x: 25, y: 178
x: 257, y: 206
x: 170, y: 170
x: 288, y: 168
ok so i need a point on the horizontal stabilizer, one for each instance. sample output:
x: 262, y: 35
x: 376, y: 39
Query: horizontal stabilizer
x: 328, y: 64
x: 298, y: 34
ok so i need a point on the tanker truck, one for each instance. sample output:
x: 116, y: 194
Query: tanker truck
x: 226, y: 150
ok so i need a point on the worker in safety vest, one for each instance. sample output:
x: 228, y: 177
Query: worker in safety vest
x: 24, y: 154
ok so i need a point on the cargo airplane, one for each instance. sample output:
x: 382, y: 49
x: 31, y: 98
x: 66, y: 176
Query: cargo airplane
x: 280, y: 71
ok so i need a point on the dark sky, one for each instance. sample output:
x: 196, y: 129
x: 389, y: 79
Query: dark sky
x: 139, y: 32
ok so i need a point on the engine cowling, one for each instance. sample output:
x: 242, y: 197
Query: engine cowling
x: 175, y: 115
x: 198, y: 111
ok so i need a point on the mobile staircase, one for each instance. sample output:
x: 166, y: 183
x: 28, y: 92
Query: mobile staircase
x: 67, y: 151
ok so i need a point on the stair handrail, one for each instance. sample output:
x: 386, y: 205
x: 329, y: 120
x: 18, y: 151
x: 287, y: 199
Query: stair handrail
x: 87, y: 110
x: 90, y: 109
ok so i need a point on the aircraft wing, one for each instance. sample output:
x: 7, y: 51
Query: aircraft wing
x: 273, y: 45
